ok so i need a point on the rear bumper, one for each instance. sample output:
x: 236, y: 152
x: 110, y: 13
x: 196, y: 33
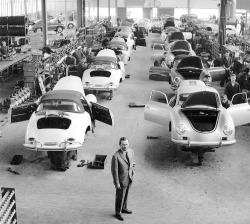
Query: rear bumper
x: 64, y: 146
x: 106, y: 89
x: 189, y: 143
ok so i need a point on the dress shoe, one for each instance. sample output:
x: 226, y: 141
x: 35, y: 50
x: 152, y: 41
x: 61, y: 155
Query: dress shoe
x: 118, y: 216
x: 126, y: 211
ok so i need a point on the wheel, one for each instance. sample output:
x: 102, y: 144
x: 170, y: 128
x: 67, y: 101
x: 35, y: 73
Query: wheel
x: 70, y: 25
x: 59, y: 29
x: 39, y: 29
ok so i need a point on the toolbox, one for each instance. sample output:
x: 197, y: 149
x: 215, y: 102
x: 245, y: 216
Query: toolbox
x: 16, y: 160
x: 99, y: 162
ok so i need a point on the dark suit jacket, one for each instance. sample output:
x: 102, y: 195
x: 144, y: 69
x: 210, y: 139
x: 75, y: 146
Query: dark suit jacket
x: 123, y: 170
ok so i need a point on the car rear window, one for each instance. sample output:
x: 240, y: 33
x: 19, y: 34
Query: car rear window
x: 62, y: 105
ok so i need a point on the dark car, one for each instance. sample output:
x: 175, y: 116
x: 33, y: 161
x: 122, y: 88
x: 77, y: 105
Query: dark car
x: 186, y: 67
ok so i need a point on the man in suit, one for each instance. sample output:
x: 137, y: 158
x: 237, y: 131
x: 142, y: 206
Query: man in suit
x: 122, y: 169
x: 227, y: 64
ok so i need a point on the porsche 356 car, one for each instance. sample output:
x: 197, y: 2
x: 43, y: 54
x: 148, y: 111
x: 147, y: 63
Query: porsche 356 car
x: 59, y: 120
x: 186, y: 67
x: 195, y: 116
x: 104, y: 73
x: 118, y: 45
x: 127, y: 34
x: 176, y: 48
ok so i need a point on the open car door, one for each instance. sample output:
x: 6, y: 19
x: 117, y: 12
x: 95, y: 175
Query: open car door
x: 102, y: 114
x: 217, y: 73
x: 22, y: 112
x: 240, y: 110
x: 157, y: 109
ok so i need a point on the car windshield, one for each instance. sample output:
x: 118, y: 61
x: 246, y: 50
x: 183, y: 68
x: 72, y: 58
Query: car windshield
x: 103, y: 65
x: 182, y: 98
x: 124, y: 29
x: 62, y: 105
x: 117, y: 46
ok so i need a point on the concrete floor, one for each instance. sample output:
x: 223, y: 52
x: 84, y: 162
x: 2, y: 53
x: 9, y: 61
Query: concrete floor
x: 165, y: 189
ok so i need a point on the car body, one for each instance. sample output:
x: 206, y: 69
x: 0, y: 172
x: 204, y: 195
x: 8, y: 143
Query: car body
x: 118, y: 44
x: 168, y: 31
x: 186, y: 67
x: 103, y: 73
x: 61, y: 117
x: 56, y: 26
x: 156, y: 26
x: 195, y: 116
x: 127, y: 34
x: 176, y: 48
x: 145, y: 23
x: 157, y: 51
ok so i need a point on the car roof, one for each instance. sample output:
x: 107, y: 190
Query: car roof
x: 70, y: 83
x: 106, y: 53
x: 191, y: 86
x: 180, y: 44
x: 62, y: 95
x: 118, y: 40
x: 105, y: 58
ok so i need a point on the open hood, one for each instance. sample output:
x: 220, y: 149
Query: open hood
x: 180, y: 45
x: 202, y: 99
x: 190, y: 62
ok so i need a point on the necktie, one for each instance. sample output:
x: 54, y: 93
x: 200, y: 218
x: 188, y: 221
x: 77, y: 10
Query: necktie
x: 126, y: 154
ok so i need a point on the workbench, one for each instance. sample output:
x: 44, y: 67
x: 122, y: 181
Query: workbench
x: 10, y: 63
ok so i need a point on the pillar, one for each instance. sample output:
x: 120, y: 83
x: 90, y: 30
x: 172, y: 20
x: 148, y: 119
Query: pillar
x: 79, y: 13
x: 147, y: 13
x: 44, y: 22
x: 222, y: 24
x: 25, y: 7
x: 188, y: 7
x: 109, y: 8
x: 98, y: 10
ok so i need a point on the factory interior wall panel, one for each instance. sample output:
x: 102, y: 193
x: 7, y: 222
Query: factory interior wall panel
x: 122, y: 12
x: 147, y: 13
x: 133, y: 3
x: 169, y: 11
x: 55, y: 7
x: 182, y: 3
x: 243, y: 4
x: 104, y: 3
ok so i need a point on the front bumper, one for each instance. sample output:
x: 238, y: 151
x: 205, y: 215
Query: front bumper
x: 189, y: 143
x: 101, y: 88
x: 64, y: 146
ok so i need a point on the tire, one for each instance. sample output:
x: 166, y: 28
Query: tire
x: 59, y: 29
x: 39, y: 29
x: 70, y: 26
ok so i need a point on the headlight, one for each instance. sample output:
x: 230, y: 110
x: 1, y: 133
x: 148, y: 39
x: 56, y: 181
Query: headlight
x: 177, y: 80
x: 227, y: 129
x: 181, y: 129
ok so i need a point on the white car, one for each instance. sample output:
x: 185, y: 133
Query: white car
x: 195, y: 116
x: 61, y: 117
x: 176, y: 48
x: 157, y: 51
x: 127, y: 34
x: 118, y: 44
x: 104, y: 73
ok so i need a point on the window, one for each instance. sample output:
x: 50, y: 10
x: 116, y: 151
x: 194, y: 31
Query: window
x: 62, y: 105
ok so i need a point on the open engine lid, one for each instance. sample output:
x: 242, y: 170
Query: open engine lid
x: 202, y: 99
x: 190, y: 62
